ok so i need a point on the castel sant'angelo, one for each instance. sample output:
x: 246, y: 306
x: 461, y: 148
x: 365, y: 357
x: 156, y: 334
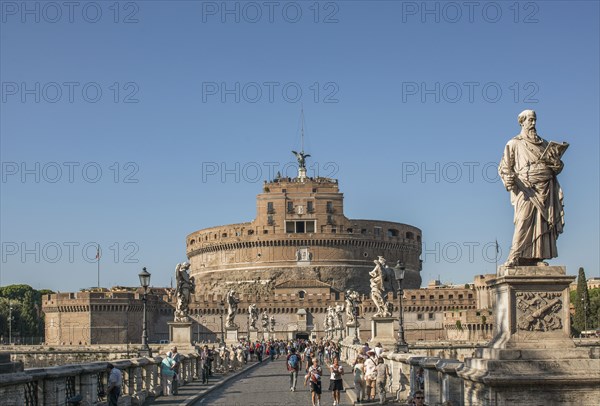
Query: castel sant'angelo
x: 294, y: 261
x: 300, y: 233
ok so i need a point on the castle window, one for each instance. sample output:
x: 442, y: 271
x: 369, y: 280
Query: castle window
x: 283, y: 190
x: 450, y: 296
x: 310, y: 226
x: 290, y: 227
x: 441, y: 296
x: 334, y: 230
x: 300, y: 227
x: 265, y: 231
x: 349, y: 231
x: 329, y: 207
x: 393, y: 232
x: 419, y: 316
x: 431, y: 316
x: 314, y: 190
x: 470, y: 296
x: 192, y: 242
x: 329, y: 219
x: 377, y: 231
x: 224, y: 235
x: 309, y: 207
x: 270, y: 220
x: 301, y: 294
x: 290, y: 207
x: 363, y: 231
x: 418, y: 238
x: 250, y: 232
x: 270, y: 209
x: 410, y: 236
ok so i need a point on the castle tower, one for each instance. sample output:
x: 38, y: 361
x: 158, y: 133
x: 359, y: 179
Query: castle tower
x: 300, y: 232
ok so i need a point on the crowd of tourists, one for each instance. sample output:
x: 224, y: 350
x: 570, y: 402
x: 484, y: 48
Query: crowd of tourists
x: 370, y: 374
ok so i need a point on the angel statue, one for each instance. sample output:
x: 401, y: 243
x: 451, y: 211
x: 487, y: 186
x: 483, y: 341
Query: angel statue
x: 232, y: 302
x: 253, y: 315
x: 185, y: 286
x: 301, y: 157
x: 265, y: 320
x: 352, y: 300
x: 377, y: 289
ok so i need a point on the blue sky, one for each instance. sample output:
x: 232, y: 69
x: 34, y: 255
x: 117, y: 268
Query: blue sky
x: 133, y: 124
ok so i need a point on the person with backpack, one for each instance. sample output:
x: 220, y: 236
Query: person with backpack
x: 167, y: 373
x: 293, y: 366
x: 314, y: 376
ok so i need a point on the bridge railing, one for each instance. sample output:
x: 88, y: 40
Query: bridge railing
x: 55, y: 385
x: 441, y: 382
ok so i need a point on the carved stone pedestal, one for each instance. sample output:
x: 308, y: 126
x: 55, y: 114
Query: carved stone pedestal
x: 351, y: 333
x: 253, y: 335
x: 231, y: 335
x: 382, y: 331
x: 180, y: 333
x: 531, y: 359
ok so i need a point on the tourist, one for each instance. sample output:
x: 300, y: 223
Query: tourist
x: 204, y: 358
x: 166, y: 374
x: 358, y: 371
x: 378, y: 350
x: 293, y: 366
x: 419, y: 398
x: 314, y: 375
x: 259, y: 351
x: 115, y: 381
x: 307, y: 357
x: 371, y: 375
x: 176, y: 361
x: 383, y: 373
x: 335, y: 381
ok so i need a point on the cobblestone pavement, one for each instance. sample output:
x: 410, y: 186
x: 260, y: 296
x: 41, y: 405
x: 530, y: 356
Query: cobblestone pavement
x: 269, y: 385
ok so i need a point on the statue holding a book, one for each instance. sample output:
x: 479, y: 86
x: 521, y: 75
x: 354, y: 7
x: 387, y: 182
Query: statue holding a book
x: 529, y: 169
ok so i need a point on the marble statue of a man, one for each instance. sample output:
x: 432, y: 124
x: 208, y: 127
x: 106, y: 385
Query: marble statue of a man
x: 530, y: 177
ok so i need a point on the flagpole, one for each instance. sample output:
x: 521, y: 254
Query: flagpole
x: 98, y: 256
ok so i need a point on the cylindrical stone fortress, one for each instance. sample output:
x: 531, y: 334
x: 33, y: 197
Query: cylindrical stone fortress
x: 300, y: 232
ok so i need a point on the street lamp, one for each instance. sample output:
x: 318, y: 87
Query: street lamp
x: 584, y: 313
x: 355, y: 340
x: 399, y: 271
x: 10, y: 318
x: 221, y: 310
x: 145, y: 282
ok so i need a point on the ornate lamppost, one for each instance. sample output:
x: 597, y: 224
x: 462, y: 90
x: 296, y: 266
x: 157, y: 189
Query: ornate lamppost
x: 145, y: 282
x: 401, y: 344
x: 355, y: 340
x: 221, y: 310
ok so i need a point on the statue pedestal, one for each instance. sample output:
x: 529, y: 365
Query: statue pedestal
x: 531, y: 359
x: 382, y: 331
x: 352, y: 331
x: 180, y: 333
x: 231, y: 335
x: 253, y: 335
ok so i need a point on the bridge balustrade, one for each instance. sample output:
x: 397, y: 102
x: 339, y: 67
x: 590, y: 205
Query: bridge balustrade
x: 55, y: 385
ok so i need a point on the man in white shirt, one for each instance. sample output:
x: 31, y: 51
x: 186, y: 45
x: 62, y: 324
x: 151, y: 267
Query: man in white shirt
x: 115, y: 381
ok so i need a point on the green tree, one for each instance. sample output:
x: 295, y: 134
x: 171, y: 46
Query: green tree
x: 582, y: 303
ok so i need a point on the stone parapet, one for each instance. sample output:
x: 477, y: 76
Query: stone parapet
x: 55, y: 385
